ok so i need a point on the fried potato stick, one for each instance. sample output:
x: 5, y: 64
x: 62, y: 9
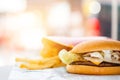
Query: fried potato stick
x: 39, y: 61
x: 40, y: 64
x: 36, y: 66
x: 28, y: 60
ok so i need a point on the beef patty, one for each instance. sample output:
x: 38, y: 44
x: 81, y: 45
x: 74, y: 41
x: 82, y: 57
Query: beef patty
x: 88, y: 63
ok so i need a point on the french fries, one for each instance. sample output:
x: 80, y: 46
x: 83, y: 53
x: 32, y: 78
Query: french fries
x: 49, y: 53
x: 40, y: 64
x: 36, y: 66
x: 30, y: 61
x: 51, y: 48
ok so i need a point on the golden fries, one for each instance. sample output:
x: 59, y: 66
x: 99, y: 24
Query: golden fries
x: 49, y: 53
x: 28, y: 60
x: 40, y: 64
x: 51, y: 48
x: 59, y: 65
x: 36, y: 66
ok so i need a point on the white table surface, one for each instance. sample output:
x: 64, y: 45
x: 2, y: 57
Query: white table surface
x: 55, y: 74
x: 4, y: 72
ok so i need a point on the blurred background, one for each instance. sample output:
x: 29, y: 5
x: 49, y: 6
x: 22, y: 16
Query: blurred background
x: 24, y: 22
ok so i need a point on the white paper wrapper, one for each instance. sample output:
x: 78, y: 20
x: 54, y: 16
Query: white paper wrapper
x: 54, y: 74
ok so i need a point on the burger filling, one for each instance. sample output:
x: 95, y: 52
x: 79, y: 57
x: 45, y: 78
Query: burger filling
x: 103, y: 64
x: 98, y: 58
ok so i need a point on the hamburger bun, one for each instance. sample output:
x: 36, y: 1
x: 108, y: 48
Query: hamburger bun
x: 84, y: 69
x: 96, y: 45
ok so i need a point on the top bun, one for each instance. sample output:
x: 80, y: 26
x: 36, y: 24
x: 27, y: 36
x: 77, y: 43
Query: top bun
x: 96, y: 45
x: 51, y: 48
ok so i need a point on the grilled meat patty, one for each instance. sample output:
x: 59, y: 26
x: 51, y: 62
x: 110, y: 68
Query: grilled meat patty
x: 103, y: 64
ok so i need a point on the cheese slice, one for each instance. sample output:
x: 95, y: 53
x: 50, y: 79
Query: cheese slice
x: 94, y: 57
x: 96, y: 61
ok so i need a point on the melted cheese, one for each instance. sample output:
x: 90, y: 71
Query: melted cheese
x: 95, y: 57
x: 96, y: 61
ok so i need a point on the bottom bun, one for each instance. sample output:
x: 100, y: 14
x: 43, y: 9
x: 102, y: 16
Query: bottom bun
x: 83, y: 69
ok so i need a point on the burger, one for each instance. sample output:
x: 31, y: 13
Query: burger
x: 98, y: 57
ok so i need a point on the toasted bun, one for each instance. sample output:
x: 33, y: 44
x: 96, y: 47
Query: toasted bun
x: 83, y: 69
x: 96, y: 45
x: 51, y: 48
